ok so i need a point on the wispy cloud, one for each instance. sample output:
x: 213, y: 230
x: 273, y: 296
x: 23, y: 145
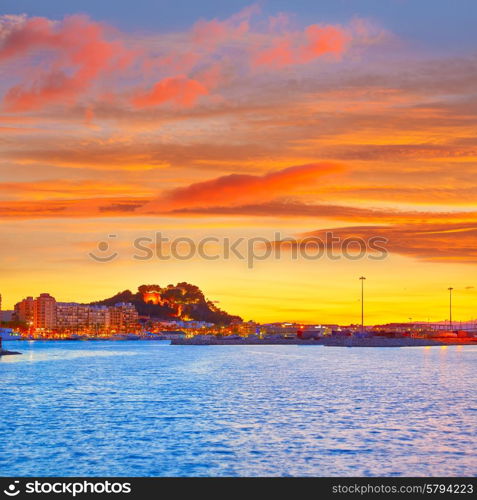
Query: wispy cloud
x: 443, y: 243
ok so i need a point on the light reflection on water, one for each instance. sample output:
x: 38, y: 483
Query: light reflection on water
x: 145, y: 409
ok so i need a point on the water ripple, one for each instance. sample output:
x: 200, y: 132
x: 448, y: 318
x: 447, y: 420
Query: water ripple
x: 139, y: 409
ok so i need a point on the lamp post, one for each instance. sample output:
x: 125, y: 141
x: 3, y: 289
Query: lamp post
x: 450, y: 307
x: 362, y: 278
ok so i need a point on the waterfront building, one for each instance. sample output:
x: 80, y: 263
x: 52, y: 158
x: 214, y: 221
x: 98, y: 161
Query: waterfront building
x: 313, y: 332
x: 99, y: 318
x: 124, y: 316
x: 281, y: 329
x: 25, y: 311
x: 246, y: 328
x: 71, y: 316
x: 44, y: 313
x: 37, y: 313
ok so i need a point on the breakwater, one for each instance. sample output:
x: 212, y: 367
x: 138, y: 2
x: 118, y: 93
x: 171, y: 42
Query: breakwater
x: 326, y: 341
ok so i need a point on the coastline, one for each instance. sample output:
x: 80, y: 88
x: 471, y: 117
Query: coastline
x: 377, y: 341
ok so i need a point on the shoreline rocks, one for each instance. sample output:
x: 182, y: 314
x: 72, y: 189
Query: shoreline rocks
x: 8, y: 353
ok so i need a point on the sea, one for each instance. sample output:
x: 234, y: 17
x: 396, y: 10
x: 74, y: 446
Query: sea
x: 140, y: 408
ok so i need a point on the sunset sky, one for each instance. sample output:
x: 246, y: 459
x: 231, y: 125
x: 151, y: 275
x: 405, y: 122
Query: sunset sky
x: 239, y: 120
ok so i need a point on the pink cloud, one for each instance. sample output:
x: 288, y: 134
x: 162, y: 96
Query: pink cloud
x: 179, y: 90
x: 81, y: 51
x: 302, y: 47
x: 78, y: 59
x: 324, y: 40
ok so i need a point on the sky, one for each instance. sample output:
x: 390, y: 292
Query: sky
x: 238, y: 123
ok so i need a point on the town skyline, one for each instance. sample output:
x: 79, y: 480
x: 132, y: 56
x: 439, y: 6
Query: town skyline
x: 452, y: 317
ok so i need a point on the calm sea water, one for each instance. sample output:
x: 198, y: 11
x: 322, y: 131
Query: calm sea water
x: 144, y: 409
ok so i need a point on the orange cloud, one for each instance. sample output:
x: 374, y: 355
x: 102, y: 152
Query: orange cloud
x: 179, y: 90
x: 238, y: 188
x: 81, y: 51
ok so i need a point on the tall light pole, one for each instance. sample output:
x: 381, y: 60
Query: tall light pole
x: 450, y: 307
x: 362, y: 303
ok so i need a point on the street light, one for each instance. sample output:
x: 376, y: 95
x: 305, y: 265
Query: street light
x: 450, y: 307
x: 362, y: 278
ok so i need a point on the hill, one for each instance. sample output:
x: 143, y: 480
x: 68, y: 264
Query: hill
x: 182, y: 301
